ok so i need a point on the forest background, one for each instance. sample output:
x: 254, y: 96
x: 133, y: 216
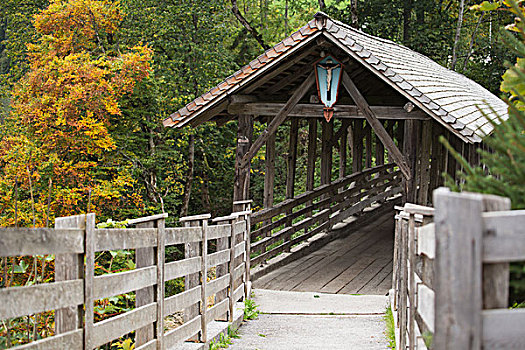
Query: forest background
x: 95, y: 141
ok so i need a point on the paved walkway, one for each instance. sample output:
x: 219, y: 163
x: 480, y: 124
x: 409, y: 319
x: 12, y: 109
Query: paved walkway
x: 305, y: 320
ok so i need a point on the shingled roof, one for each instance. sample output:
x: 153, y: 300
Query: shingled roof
x: 449, y: 97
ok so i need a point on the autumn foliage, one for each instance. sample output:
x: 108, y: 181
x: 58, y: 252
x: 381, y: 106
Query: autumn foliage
x: 58, y: 128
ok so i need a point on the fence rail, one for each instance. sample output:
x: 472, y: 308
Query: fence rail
x: 451, y: 276
x: 319, y: 209
x: 76, y: 288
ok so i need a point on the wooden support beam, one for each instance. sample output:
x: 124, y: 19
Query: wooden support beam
x: 269, y: 174
x: 343, y: 148
x: 380, y: 149
x: 368, y: 145
x: 326, y: 152
x: 241, y: 190
x: 426, y: 144
x: 376, y: 125
x: 410, y: 143
x: 279, y: 118
x: 312, y: 154
x: 311, y: 110
x: 292, y: 158
x: 435, y: 159
x: 357, y: 146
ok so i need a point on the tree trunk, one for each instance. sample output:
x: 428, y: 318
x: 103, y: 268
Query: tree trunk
x: 189, y: 176
x: 407, y: 12
x: 458, y: 35
x: 248, y: 26
x: 353, y: 14
x: 322, y: 5
x: 472, y: 40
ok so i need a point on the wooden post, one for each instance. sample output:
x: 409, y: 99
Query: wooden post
x: 204, y: 280
x: 357, y: 147
x: 426, y: 143
x: 343, y: 149
x: 410, y: 151
x: 241, y: 188
x: 435, y: 164
x: 312, y: 155
x: 326, y: 152
x: 159, y: 295
x: 451, y: 161
x: 269, y: 175
x: 144, y: 257
x: 247, y: 239
x: 403, y: 286
x: 459, y: 249
x: 69, y: 267
x: 89, y: 277
x: 412, y: 290
x: 368, y: 142
x: 495, y: 276
x: 292, y: 159
x: 380, y: 149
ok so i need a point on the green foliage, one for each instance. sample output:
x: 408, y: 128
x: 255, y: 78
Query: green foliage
x: 390, y: 328
x: 250, y: 310
x: 225, y: 340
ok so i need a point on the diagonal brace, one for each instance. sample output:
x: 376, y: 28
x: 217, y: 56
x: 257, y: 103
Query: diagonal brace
x: 376, y: 125
x: 278, y: 120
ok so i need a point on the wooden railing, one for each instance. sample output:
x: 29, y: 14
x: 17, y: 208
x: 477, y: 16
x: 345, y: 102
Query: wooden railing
x: 73, y: 294
x: 451, y: 277
x: 277, y: 229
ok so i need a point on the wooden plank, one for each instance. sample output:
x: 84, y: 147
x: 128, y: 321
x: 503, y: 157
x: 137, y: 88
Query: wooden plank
x: 115, y: 327
x: 436, y: 159
x: 217, y: 285
x: 188, y: 330
x: 503, y: 223
x: 368, y: 145
x: 180, y: 268
x: 147, y: 219
x: 239, y: 249
x: 231, y: 269
x: 241, y: 184
x: 343, y: 148
x: 279, y: 118
x: 425, y: 305
x: 124, y: 282
x: 21, y: 301
x: 218, y: 258
x: 380, y: 149
x: 145, y: 257
x: 292, y: 158
x: 425, y: 270
x: 403, y: 286
x: 412, y: 240
x: 71, y: 340
x: 180, y: 301
x: 151, y: 345
x: 495, y: 276
x: 182, y: 235
x: 503, y: 329
x: 89, y: 283
x: 69, y: 267
x: 426, y: 243
x: 426, y: 144
x: 376, y: 125
x: 326, y: 152
x: 312, y: 154
x: 191, y: 278
x: 204, y: 281
x: 218, y: 231
x: 269, y: 172
x: 357, y: 146
x: 160, y: 293
x: 217, y: 310
x: 411, y: 208
x: 504, y: 249
x: 40, y: 241
x: 458, y: 270
x: 309, y: 111
x: 410, y: 144
x: 125, y: 238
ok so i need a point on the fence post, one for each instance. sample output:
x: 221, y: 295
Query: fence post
x: 192, y: 250
x: 412, y: 290
x: 495, y: 276
x: 144, y: 257
x: 161, y: 243
x: 403, y: 285
x: 69, y: 267
x: 245, y: 207
x: 458, y: 270
x: 89, y: 277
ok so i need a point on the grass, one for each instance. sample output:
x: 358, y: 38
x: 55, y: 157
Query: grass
x: 225, y: 340
x: 390, y: 329
x: 250, y: 310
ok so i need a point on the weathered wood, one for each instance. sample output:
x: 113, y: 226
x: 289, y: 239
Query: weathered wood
x: 191, y: 280
x: 159, y: 295
x: 204, y: 281
x: 425, y: 305
x: 412, y: 240
x: 270, y: 109
x: 188, y: 330
x: 368, y: 145
x: 218, y: 258
x: 426, y: 243
x: 182, y: 300
x: 115, y: 327
x: 451, y: 161
x: 402, y: 303
x: 343, y: 147
x: 219, y: 231
x: 292, y: 158
x: 69, y: 267
x: 504, y: 249
x: 231, y: 268
x: 150, y: 218
x: 241, y: 189
x: 217, y: 310
x: 145, y: 257
x: 21, y: 301
x: 357, y: 146
x: 182, y: 235
x: 376, y: 125
x: 326, y: 152
x: 124, y: 282
x: 125, y: 238
x: 426, y: 144
x: 495, y: 276
x: 269, y: 174
x: 458, y: 266
x: 380, y: 149
x: 278, y: 120
x: 175, y: 269
x: 503, y: 329
x: 40, y: 241
x: 216, y: 285
x: 312, y: 156
x: 70, y: 340
x: 410, y: 150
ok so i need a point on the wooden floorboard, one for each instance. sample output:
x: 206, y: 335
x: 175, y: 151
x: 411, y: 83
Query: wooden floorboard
x: 360, y: 263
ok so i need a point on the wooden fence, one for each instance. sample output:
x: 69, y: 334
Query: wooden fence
x: 319, y: 209
x: 451, y: 276
x: 72, y: 296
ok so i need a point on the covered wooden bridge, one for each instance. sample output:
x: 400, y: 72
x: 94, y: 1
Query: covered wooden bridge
x: 369, y: 113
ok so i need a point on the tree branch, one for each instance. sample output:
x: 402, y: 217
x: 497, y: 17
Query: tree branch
x: 247, y: 25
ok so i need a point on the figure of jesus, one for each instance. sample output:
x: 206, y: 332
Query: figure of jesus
x: 329, y: 66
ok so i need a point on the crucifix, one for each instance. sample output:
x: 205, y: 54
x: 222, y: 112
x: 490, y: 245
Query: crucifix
x: 328, y: 73
x: 329, y: 66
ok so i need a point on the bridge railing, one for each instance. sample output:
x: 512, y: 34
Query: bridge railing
x: 77, y: 289
x: 277, y: 229
x: 451, y: 277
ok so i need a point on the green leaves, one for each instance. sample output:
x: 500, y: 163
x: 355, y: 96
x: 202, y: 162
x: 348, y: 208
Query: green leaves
x: 486, y: 6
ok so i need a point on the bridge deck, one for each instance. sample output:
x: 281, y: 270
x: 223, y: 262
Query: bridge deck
x: 360, y: 263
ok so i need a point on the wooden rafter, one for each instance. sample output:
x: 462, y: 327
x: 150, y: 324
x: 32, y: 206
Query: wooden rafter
x: 376, y: 125
x: 279, y: 119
